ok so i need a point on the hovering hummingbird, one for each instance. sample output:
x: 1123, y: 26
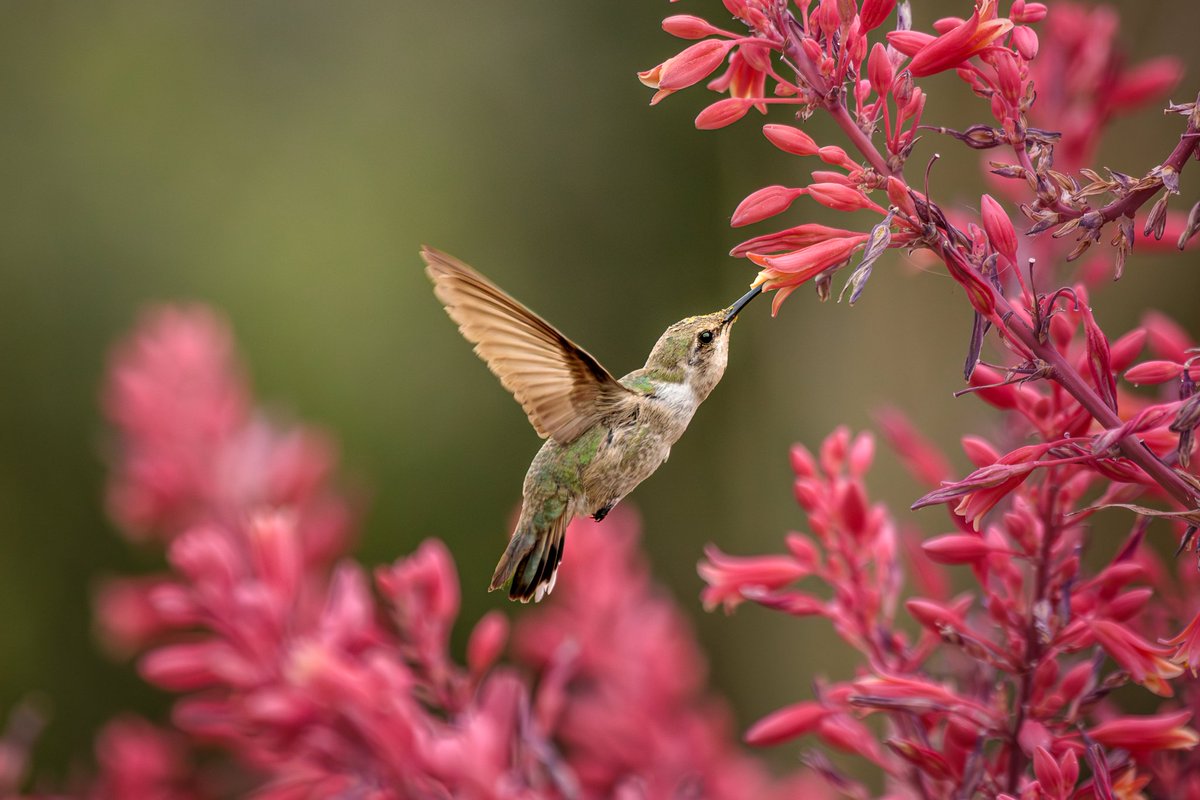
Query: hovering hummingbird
x: 604, y: 436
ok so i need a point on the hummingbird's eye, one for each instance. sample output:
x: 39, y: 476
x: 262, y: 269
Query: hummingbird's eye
x: 706, y: 337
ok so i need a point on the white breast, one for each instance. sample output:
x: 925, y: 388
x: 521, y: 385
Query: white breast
x: 676, y: 403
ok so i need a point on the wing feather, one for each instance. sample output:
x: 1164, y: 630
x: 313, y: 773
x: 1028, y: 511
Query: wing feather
x: 561, y: 387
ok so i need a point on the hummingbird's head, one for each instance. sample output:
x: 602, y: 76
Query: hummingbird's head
x: 695, y: 350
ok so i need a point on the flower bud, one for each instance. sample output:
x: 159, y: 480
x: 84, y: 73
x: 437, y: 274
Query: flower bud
x: 1026, y: 42
x: 791, y: 140
x: 686, y: 26
x: 999, y: 228
x: 764, y: 203
x: 880, y: 70
x: 722, y: 113
x: 1151, y: 372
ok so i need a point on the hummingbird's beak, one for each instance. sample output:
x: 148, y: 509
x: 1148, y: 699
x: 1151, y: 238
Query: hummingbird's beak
x: 737, y: 307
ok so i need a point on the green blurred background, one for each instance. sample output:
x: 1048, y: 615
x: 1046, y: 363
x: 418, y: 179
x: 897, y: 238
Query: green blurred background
x: 283, y: 162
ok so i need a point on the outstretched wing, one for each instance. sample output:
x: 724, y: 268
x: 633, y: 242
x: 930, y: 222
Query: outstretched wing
x: 563, y: 389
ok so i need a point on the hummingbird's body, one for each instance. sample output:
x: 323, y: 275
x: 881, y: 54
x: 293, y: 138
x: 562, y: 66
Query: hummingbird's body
x: 604, y: 436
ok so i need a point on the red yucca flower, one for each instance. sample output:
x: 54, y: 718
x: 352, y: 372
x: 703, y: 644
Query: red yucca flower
x: 298, y: 673
x: 300, y: 679
x: 1006, y: 691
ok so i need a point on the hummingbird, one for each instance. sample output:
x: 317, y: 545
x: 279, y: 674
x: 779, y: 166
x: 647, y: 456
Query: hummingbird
x: 603, y: 436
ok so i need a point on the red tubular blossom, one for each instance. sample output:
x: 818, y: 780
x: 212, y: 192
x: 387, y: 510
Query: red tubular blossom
x: 999, y: 228
x: 729, y: 576
x: 900, y: 197
x: 789, y: 239
x: 802, y: 265
x: 1152, y: 372
x: 956, y: 549
x: 1127, y: 348
x: 786, y: 724
x: 840, y: 197
x: 1187, y: 646
x: 1146, y: 82
x: 722, y: 113
x: 1025, y: 40
x: 966, y: 40
x: 910, y: 42
x: 1167, y: 339
x: 934, y: 615
x: 1145, y: 663
x: 764, y: 203
x: 791, y: 140
x: 922, y: 459
x: 1027, y: 12
x: 880, y: 70
x: 1057, y: 779
x: 946, y: 24
x: 487, y: 641
x: 690, y: 66
x: 836, y: 156
x: 686, y: 26
x: 874, y: 12
x: 1147, y: 734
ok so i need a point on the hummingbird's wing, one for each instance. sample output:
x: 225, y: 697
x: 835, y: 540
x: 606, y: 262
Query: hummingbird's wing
x: 563, y: 389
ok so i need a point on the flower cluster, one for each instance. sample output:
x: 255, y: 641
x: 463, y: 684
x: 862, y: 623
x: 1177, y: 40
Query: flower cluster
x: 1006, y: 689
x: 314, y: 679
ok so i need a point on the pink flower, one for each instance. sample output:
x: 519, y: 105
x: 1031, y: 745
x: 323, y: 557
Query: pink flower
x: 136, y: 759
x: 1187, y: 646
x: 1144, y: 662
x: 966, y: 40
x: 728, y: 577
x: 786, y: 724
x: 766, y: 202
x: 722, y: 113
x: 801, y: 265
x: 791, y: 140
x: 690, y: 66
x: 1144, y: 735
x: 999, y: 228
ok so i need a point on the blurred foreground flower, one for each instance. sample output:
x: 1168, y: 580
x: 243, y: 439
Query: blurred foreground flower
x: 310, y: 682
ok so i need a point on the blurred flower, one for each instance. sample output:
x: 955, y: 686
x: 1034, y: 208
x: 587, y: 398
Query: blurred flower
x: 286, y: 661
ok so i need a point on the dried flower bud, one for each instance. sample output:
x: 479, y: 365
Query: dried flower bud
x: 1191, y: 227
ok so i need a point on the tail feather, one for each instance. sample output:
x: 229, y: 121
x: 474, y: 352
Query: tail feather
x: 531, y: 561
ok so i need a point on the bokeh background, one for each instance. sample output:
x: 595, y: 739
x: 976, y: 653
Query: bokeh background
x: 282, y: 162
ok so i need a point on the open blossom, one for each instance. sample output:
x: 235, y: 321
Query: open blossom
x: 962, y: 42
x: 728, y: 577
x: 1187, y: 646
x: 1145, y: 663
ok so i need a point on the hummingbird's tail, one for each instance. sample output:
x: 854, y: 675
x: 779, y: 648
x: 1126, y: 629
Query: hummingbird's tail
x: 531, y: 560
